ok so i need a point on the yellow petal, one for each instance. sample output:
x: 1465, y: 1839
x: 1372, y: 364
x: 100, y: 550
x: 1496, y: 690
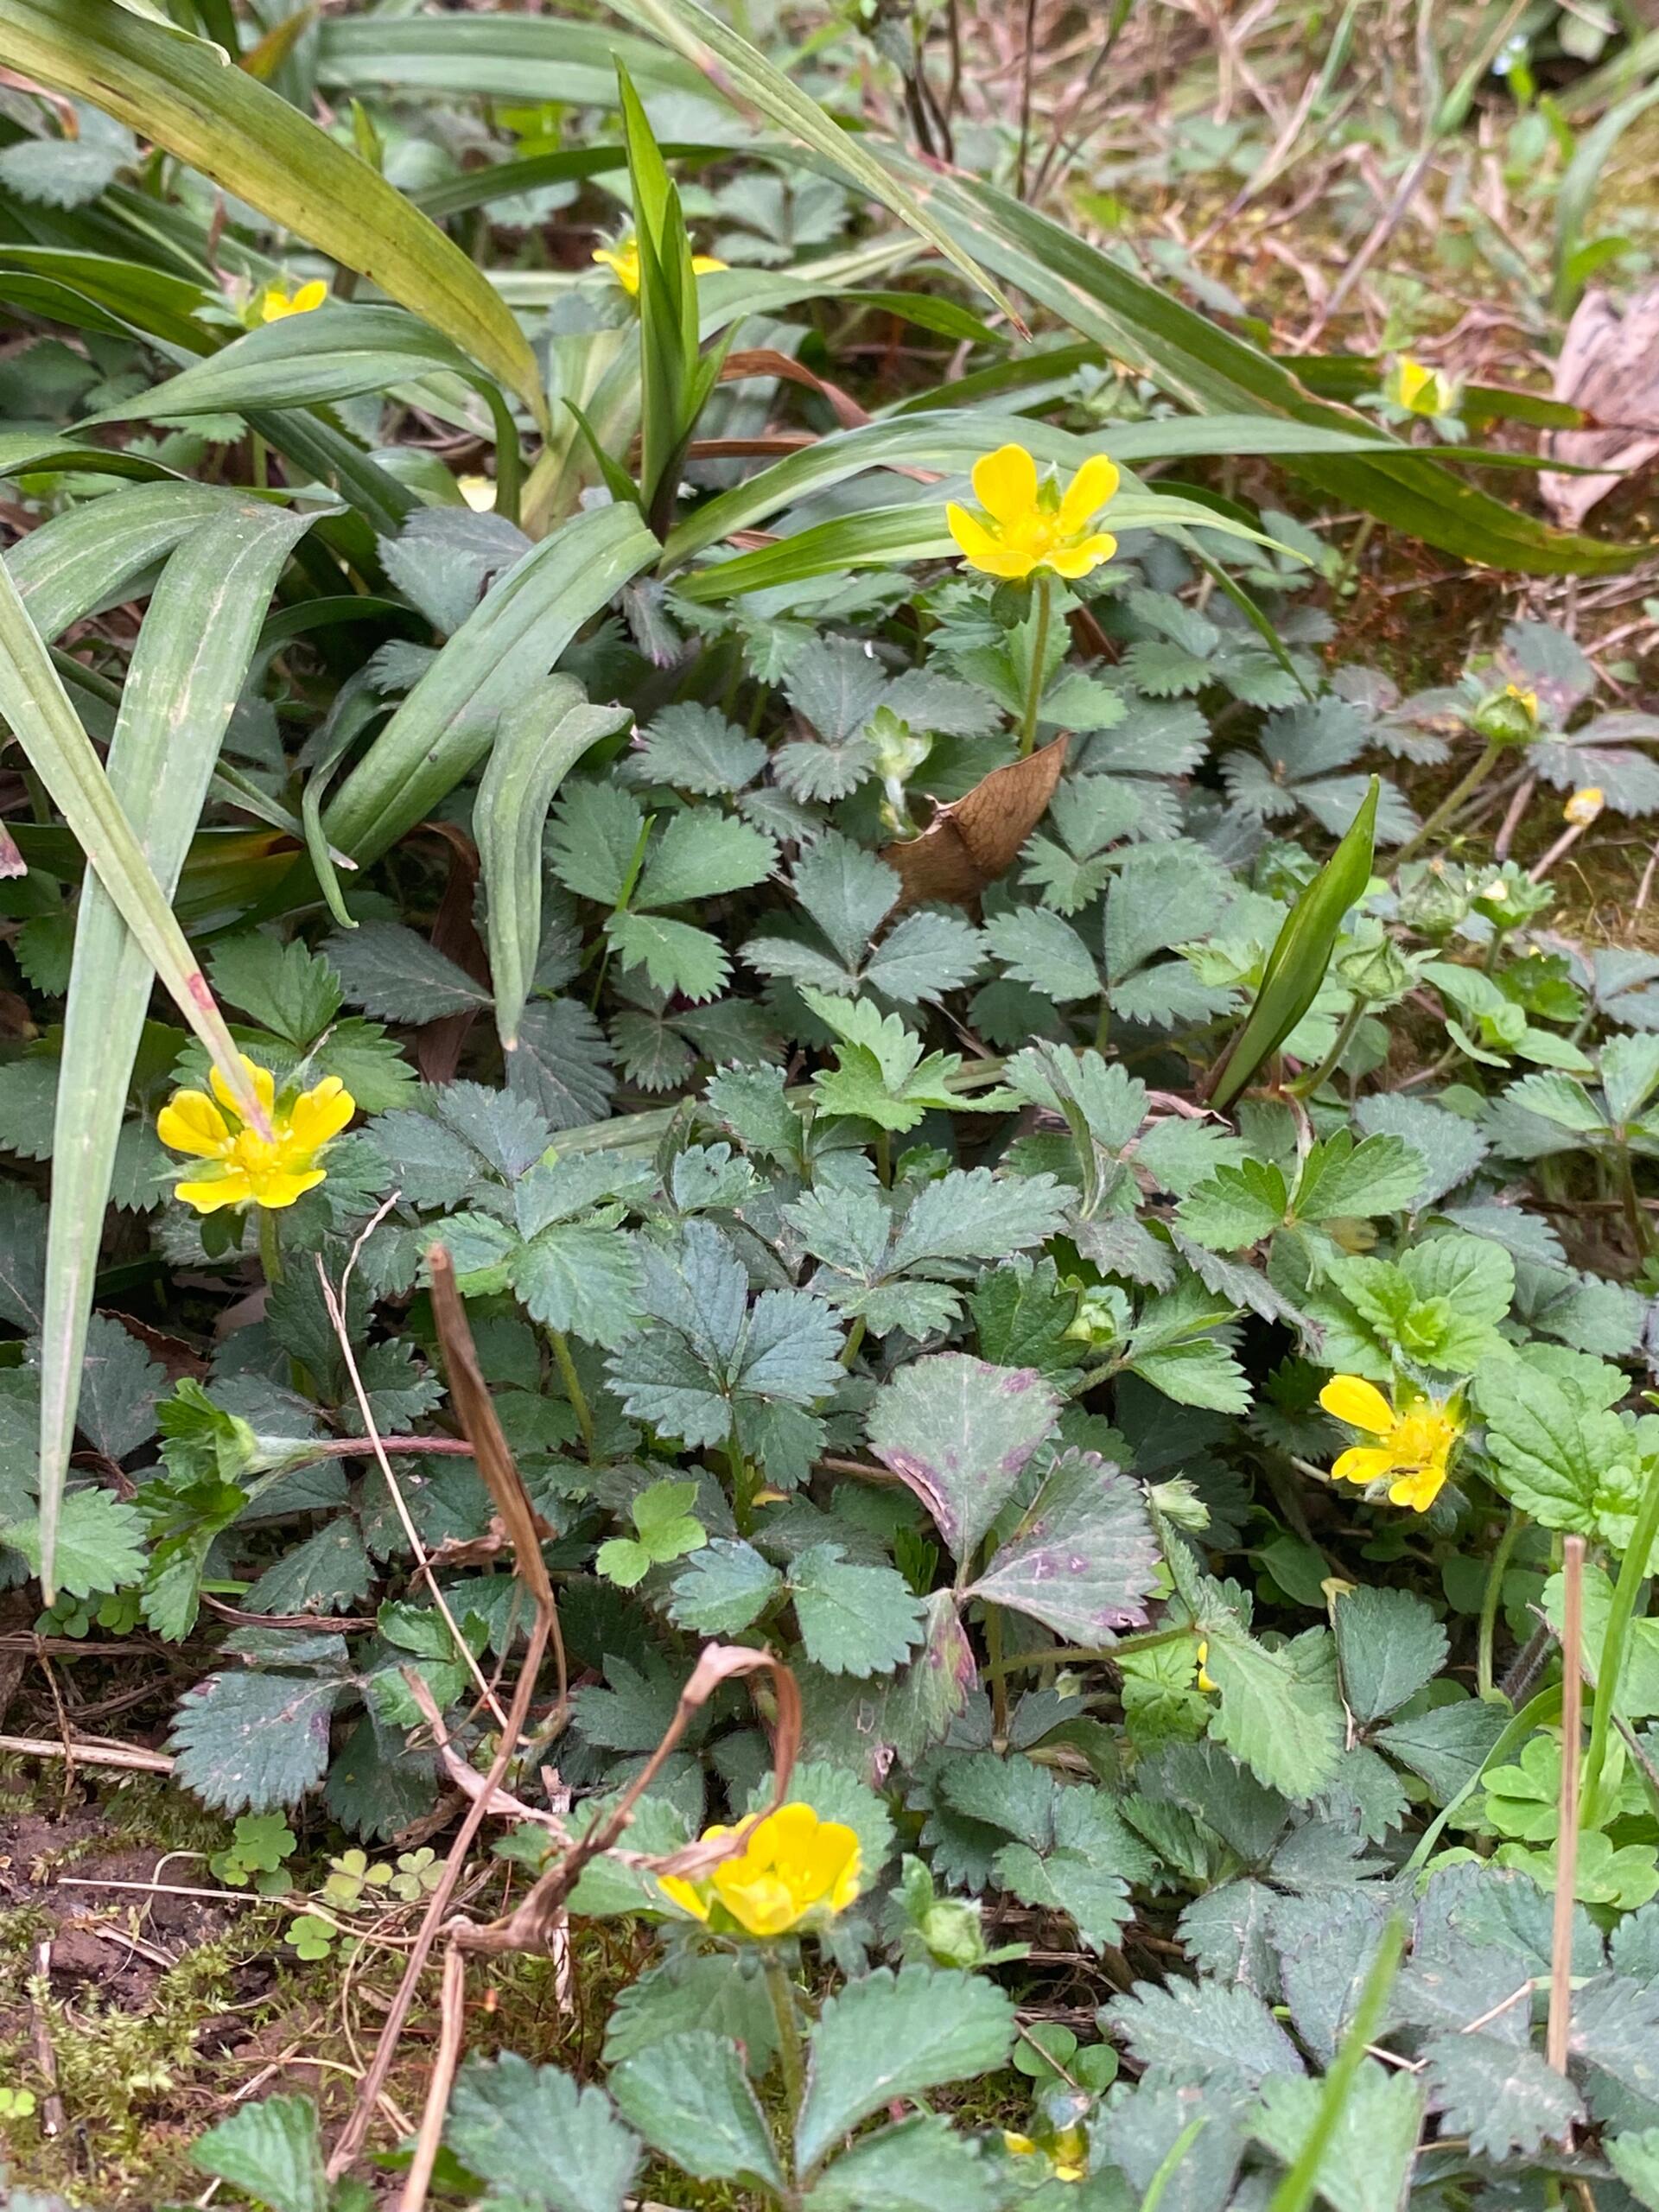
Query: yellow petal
x: 1005, y: 484
x: 705, y: 264
x: 278, y: 1189
x: 274, y: 305
x: 213, y: 1192
x: 1366, y: 1463
x: 1358, y: 1403
x: 973, y: 540
x: 309, y: 296
x: 1021, y: 2145
x: 264, y: 1086
x: 1086, y: 493
x: 684, y: 1894
x: 762, y: 1904
x: 1419, y: 1489
x: 1084, y: 558
x: 190, y: 1122
x: 320, y: 1113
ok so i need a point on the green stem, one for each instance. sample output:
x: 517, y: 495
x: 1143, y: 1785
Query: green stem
x: 996, y: 1674
x: 270, y: 1246
x: 1449, y: 806
x: 1610, y: 1664
x: 1492, y: 1598
x: 573, y: 1389
x: 744, y: 1484
x: 782, y: 1993
x: 1309, y: 1086
x: 1056, y: 1654
x: 849, y: 1350
x: 1635, y: 1212
x: 1044, y: 584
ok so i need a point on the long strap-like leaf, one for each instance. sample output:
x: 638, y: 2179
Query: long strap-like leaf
x: 186, y: 672
x: 444, y: 727
x: 537, y: 746
x: 185, y: 95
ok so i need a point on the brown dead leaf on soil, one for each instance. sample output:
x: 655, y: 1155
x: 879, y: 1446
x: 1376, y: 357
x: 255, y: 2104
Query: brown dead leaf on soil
x: 1609, y: 366
x: 971, y: 842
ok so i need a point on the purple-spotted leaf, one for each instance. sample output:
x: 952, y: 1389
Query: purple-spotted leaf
x: 957, y: 1430
x: 1083, y: 1557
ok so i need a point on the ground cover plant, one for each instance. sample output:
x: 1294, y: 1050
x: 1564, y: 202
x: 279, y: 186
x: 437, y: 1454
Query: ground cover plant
x: 826, y: 1253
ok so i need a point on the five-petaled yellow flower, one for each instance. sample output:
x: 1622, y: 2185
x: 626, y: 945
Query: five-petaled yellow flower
x: 1414, y: 1446
x: 1028, y: 525
x: 243, y: 1168
x: 793, y: 1869
x: 622, y: 261
x: 275, y: 303
x: 1420, y: 390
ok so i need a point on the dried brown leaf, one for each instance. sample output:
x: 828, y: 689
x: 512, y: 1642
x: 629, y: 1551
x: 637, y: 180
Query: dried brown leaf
x: 977, y: 837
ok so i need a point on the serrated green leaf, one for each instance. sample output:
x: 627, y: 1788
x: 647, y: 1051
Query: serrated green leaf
x: 689, y: 2097
x: 1277, y: 1711
x: 1389, y: 1646
x: 854, y: 1619
x: 536, y: 2140
x: 895, y: 2036
x: 1085, y: 1556
x: 271, y: 2151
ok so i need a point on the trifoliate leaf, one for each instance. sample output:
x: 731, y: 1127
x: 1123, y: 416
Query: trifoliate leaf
x: 959, y: 1431
x: 706, y: 1364
x: 893, y: 2035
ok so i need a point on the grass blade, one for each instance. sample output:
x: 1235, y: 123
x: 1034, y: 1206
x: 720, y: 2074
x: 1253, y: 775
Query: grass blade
x: 186, y: 673
x: 1295, y: 2192
x: 1301, y: 953
x: 183, y: 93
x: 744, y: 71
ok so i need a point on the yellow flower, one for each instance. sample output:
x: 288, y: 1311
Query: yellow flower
x: 479, y: 492
x: 1066, y: 2154
x: 1413, y: 1445
x: 275, y: 303
x: 793, y: 1868
x: 1029, y: 526
x: 622, y: 261
x: 246, y: 1169
x: 1529, y: 700
x: 1584, y: 806
x: 1421, y: 391
x: 1204, y: 1683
